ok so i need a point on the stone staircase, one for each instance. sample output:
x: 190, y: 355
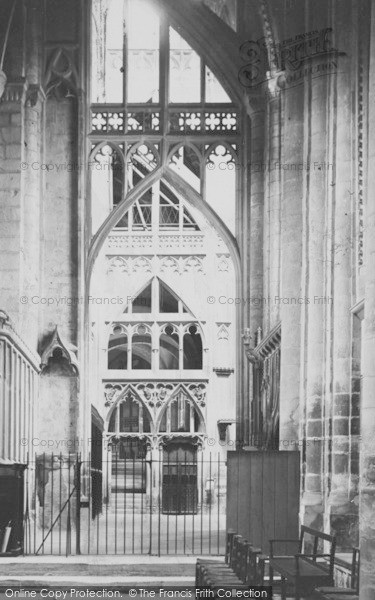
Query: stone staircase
x: 128, y: 492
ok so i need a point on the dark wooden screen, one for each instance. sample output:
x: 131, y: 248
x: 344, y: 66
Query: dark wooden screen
x: 263, y: 496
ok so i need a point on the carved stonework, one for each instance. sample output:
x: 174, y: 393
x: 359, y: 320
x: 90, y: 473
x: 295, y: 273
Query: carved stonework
x: 196, y: 439
x: 118, y: 264
x: 223, y: 331
x: 166, y: 264
x: 192, y: 241
x: 61, y: 78
x: 266, y: 387
x: 169, y: 265
x: 199, y: 393
x: 250, y: 352
x: 57, y: 348
x: 223, y: 371
x: 111, y: 393
x: 169, y: 241
x: 142, y: 265
x: 223, y: 262
x: 193, y: 264
x: 15, y: 91
x: 138, y: 242
x: 35, y: 95
x: 129, y: 265
x: 155, y: 394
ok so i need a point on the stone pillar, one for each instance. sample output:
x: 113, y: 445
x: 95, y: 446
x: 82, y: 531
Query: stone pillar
x: 291, y: 264
x: 273, y: 212
x: 256, y: 216
x: 367, y: 449
x: 32, y: 174
x: 314, y: 306
x: 342, y: 512
x: 255, y: 249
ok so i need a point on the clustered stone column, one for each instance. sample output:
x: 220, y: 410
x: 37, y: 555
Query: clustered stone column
x: 367, y: 448
x: 272, y: 307
x: 313, y: 305
x: 341, y: 511
x: 291, y: 265
x: 255, y: 237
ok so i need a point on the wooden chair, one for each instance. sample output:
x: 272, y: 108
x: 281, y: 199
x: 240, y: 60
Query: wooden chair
x: 305, y: 571
x: 336, y: 593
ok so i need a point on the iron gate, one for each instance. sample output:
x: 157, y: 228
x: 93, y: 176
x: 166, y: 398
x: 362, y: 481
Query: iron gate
x: 161, y: 504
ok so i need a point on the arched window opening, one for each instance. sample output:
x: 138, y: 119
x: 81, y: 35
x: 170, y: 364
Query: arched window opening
x: 221, y: 169
x: 118, y: 349
x: 107, y: 51
x: 171, y: 212
x: 169, y: 349
x: 142, y: 212
x: 180, y: 416
x: 214, y: 90
x: 141, y: 162
x: 169, y: 302
x: 185, y: 70
x: 186, y: 162
x: 143, y: 26
x: 175, y: 344
x: 129, y: 416
x: 141, y: 349
x: 107, y: 183
x: 143, y: 302
x: 193, y: 349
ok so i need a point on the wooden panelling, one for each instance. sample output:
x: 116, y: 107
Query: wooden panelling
x: 263, y: 496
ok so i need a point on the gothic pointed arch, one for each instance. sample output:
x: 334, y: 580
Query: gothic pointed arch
x: 164, y: 247
x: 116, y: 423
x: 195, y: 395
x: 183, y: 189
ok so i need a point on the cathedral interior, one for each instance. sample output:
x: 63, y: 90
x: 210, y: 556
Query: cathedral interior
x: 187, y: 275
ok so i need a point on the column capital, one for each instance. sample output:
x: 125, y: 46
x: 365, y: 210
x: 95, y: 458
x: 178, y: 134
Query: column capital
x: 35, y: 95
x: 15, y: 91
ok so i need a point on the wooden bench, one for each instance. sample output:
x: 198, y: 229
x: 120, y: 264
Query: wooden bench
x: 237, y: 571
x: 304, y: 570
x: 350, y: 593
x: 204, y: 564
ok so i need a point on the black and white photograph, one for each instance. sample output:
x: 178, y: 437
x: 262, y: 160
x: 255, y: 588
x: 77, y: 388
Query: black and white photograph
x: 187, y: 299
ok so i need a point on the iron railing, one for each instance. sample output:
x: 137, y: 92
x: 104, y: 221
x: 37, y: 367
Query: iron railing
x: 147, y: 503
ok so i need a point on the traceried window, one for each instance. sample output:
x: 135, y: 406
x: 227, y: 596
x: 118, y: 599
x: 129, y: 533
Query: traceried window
x: 156, y: 103
x: 180, y: 416
x: 177, y: 342
x: 118, y: 349
x: 129, y: 416
x: 127, y: 36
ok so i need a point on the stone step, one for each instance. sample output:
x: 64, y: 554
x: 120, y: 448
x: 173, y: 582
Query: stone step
x: 98, y: 571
